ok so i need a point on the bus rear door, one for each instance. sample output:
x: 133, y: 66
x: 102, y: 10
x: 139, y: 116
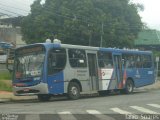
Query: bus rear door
x: 117, y: 59
x: 93, y: 71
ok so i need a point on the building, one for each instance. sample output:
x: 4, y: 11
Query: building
x: 148, y: 40
x: 11, y: 34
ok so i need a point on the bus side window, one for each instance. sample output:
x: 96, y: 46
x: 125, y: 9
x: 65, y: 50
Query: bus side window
x: 105, y: 60
x: 132, y: 61
x: 126, y: 61
x: 147, y: 62
x: 101, y: 63
x: 56, y: 60
x: 129, y: 60
x: 77, y: 58
x: 138, y: 60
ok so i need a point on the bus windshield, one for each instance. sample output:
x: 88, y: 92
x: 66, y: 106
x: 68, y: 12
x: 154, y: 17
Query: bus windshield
x: 30, y: 65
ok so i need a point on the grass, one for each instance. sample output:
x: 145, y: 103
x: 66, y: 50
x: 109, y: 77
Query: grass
x: 5, y: 75
x: 5, y: 81
x: 5, y: 85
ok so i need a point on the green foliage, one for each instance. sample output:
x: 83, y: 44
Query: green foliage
x: 5, y: 81
x: 5, y: 75
x: 83, y: 22
x: 5, y: 86
x: 16, y: 21
x: 156, y: 53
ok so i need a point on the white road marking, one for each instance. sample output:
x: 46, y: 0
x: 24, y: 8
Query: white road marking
x: 93, y: 112
x: 65, y: 112
x: 66, y: 115
x: 144, y: 110
x: 99, y: 115
x: 154, y: 105
x: 117, y: 110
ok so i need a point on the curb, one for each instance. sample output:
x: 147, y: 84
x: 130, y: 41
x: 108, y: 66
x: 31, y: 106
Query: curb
x: 9, y: 96
x: 5, y: 96
x: 4, y: 100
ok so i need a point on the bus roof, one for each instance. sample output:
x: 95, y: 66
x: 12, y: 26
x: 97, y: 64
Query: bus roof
x: 51, y: 45
x: 129, y: 51
x: 116, y: 50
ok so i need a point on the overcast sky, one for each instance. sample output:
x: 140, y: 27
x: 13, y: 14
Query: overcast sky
x: 151, y: 14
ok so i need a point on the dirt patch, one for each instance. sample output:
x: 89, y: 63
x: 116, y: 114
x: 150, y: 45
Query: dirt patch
x: 5, y: 92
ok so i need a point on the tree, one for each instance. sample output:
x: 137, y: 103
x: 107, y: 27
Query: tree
x: 114, y: 23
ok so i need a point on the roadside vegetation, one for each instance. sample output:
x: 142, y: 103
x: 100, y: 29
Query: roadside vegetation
x: 107, y: 23
x: 5, y: 81
x: 5, y: 75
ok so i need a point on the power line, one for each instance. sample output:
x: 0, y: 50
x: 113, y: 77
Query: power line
x: 11, y: 12
x: 71, y: 16
x: 14, y: 7
x: 18, y: 2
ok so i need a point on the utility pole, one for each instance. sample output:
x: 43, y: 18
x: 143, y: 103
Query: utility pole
x: 157, y: 36
x: 157, y: 60
x: 101, y: 42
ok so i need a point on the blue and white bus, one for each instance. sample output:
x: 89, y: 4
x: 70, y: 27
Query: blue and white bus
x: 47, y: 69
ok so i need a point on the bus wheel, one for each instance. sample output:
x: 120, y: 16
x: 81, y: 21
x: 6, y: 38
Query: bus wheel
x: 129, y: 87
x: 73, y: 91
x: 44, y: 97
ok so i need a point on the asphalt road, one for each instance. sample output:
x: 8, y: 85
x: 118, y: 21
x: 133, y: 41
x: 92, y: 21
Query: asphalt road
x: 87, y: 108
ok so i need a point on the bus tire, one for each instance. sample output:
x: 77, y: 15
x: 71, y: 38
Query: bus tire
x: 73, y: 91
x: 44, y: 97
x: 129, y: 87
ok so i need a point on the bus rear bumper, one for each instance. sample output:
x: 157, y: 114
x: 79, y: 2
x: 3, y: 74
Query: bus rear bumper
x: 41, y: 88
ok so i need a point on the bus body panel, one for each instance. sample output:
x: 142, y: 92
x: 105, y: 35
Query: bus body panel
x: 41, y: 88
x: 80, y: 75
x: 90, y: 77
x: 106, y: 77
x: 140, y: 76
x: 111, y: 78
x: 56, y: 83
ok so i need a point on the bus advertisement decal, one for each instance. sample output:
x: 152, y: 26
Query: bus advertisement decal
x: 106, y: 73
